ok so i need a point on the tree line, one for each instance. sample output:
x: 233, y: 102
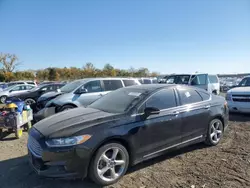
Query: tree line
x: 9, y: 63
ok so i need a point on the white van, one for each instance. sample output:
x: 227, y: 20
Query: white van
x: 208, y: 82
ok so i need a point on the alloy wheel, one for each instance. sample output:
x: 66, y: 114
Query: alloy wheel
x: 216, y: 131
x: 111, y: 164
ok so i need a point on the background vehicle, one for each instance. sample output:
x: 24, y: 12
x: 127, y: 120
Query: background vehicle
x: 126, y: 126
x: 15, y: 89
x: 238, y: 98
x: 148, y: 80
x: 205, y: 81
x: 30, y: 97
x: 80, y: 93
x: 21, y: 82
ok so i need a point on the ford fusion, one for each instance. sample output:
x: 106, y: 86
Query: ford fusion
x: 123, y: 128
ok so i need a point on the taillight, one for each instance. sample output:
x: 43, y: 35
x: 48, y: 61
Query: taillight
x: 228, y: 97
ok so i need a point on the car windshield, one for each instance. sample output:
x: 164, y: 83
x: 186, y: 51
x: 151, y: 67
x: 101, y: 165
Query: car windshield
x: 71, y: 86
x: 178, y: 79
x: 245, y: 82
x: 119, y: 101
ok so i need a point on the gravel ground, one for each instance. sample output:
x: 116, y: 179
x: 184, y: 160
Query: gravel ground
x: 226, y: 165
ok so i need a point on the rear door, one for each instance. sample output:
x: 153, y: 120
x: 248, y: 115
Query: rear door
x: 200, y: 80
x: 195, y: 113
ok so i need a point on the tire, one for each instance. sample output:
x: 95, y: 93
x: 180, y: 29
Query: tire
x: 110, y: 163
x: 29, y: 101
x: 214, y: 133
x: 28, y: 126
x: 3, y: 99
x: 66, y: 107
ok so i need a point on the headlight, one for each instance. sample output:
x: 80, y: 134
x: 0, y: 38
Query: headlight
x: 70, y: 141
x: 228, y: 97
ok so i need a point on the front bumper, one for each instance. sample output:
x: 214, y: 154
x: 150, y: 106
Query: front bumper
x: 63, y: 162
x: 242, y: 107
x: 44, y: 113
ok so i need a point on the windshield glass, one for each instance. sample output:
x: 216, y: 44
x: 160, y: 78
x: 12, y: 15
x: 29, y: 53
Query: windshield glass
x: 71, y: 86
x: 245, y: 82
x: 119, y: 101
x: 178, y: 79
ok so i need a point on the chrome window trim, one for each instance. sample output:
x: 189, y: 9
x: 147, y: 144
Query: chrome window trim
x: 175, y: 145
x: 177, y: 107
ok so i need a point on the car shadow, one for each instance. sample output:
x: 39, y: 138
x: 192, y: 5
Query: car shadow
x: 17, y: 173
x: 168, y: 155
x: 239, y: 117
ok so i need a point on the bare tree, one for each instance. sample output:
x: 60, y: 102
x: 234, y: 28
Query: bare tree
x: 8, y: 62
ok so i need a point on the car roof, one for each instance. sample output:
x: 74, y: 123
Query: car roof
x: 107, y: 78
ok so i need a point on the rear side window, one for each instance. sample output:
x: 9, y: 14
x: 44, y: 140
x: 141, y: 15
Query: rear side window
x: 199, y: 79
x: 162, y: 99
x: 205, y: 96
x: 189, y: 96
x: 213, y: 79
x: 32, y: 83
x: 129, y: 82
x: 93, y: 86
x: 110, y: 85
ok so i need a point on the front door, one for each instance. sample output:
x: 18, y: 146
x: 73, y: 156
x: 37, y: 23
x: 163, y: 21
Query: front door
x: 94, y: 92
x: 161, y: 130
x: 200, y: 80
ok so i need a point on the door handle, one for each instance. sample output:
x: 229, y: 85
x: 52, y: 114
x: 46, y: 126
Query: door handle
x: 175, y: 113
x: 207, y: 107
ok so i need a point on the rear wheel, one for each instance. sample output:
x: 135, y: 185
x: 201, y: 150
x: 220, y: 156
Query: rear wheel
x: 3, y: 99
x: 215, y: 132
x: 29, y: 101
x: 109, y: 164
x: 67, y: 107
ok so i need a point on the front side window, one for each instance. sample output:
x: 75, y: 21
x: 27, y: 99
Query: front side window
x: 199, y: 79
x: 162, y: 99
x: 111, y: 85
x: 147, y: 81
x: 213, y: 79
x: 129, y: 82
x: 189, y: 96
x: 93, y: 86
x: 245, y: 82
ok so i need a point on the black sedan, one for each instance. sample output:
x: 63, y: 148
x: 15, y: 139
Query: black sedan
x: 123, y: 128
x: 30, y: 97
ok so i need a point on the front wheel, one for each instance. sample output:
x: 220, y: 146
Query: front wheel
x: 215, y: 132
x: 109, y: 164
x: 3, y: 99
x: 29, y: 101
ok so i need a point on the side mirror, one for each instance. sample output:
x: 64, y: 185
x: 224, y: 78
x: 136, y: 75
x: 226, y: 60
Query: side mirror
x: 151, y: 111
x: 81, y: 90
x: 10, y: 91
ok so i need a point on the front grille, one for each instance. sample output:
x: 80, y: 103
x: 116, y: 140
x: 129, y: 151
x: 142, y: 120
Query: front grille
x: 241, y: 98
x: 34, y: 147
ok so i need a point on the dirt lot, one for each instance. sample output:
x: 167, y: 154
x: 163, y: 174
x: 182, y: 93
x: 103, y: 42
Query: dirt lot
x: 227, y: 165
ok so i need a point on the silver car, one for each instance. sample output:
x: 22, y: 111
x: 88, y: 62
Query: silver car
x: 80, y: 93
x: 13, y: 90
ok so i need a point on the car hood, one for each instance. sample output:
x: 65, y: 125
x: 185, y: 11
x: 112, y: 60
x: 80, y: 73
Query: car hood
x: 240, y: 90
x: 72, y: 121
x: 50, y: 95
